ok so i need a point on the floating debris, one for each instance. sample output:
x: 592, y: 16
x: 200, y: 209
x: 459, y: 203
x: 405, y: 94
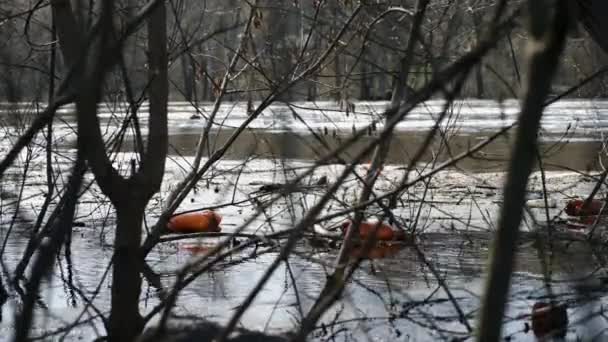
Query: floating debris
x: 575, y: 207
x: 271, y: 187
x: 378, y: 230
x: 195, y: 222
x: 322, y: 180
x: 549, y: 320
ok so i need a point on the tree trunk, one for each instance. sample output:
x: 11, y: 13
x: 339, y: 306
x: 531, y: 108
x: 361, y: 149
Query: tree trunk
x: 364, y: 93
x: 203, y: 75
x: 125, y: 321
x: 477, y: 23
x: 479, y: 81
x: 187, y: 76
x: 337, y: 60
x: 546, y: 44
x: 128, y: 196
x: 192, y: 80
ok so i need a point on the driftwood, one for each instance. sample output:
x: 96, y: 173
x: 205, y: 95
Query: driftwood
x: 290, y: 188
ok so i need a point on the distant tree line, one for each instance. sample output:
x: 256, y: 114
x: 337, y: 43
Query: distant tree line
x: 205, y: 35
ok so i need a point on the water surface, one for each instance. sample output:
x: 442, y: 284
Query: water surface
x: 399, y: 293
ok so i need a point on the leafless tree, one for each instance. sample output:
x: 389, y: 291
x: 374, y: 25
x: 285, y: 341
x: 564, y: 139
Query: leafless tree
x: 134, y: 56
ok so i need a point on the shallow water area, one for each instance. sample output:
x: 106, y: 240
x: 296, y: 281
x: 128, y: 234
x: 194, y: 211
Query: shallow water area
x: 394, y: 298
x: 399, y: 292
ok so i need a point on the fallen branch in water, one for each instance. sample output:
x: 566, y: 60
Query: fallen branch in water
x: 177, y: 237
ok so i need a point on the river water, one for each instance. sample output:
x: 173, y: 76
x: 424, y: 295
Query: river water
x: 399, y: 292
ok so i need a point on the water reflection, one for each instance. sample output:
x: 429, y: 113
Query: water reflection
x: 385, y: 289
x: 390, y: 296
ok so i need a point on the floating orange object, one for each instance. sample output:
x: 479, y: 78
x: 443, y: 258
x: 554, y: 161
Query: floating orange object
x: 195, y: 222
x: 549, y: 320
x: 383, y: 232
x: 575, y: 207
x: 377, y: 252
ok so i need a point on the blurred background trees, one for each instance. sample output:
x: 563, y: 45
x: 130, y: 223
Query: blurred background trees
x: 362, y: 67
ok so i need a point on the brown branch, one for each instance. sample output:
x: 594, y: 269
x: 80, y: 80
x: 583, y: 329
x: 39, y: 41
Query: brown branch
x: 67, y: 33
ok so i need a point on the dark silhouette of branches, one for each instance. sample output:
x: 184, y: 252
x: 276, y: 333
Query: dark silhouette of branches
x: 150, y: 109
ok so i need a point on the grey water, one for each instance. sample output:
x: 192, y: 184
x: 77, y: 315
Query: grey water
x: 397, y: 294
x: 571, y: 136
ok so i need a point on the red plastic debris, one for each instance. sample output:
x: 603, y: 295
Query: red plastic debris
x: 382, y: 231
x: 548, y: 320
x: 575, y: 207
